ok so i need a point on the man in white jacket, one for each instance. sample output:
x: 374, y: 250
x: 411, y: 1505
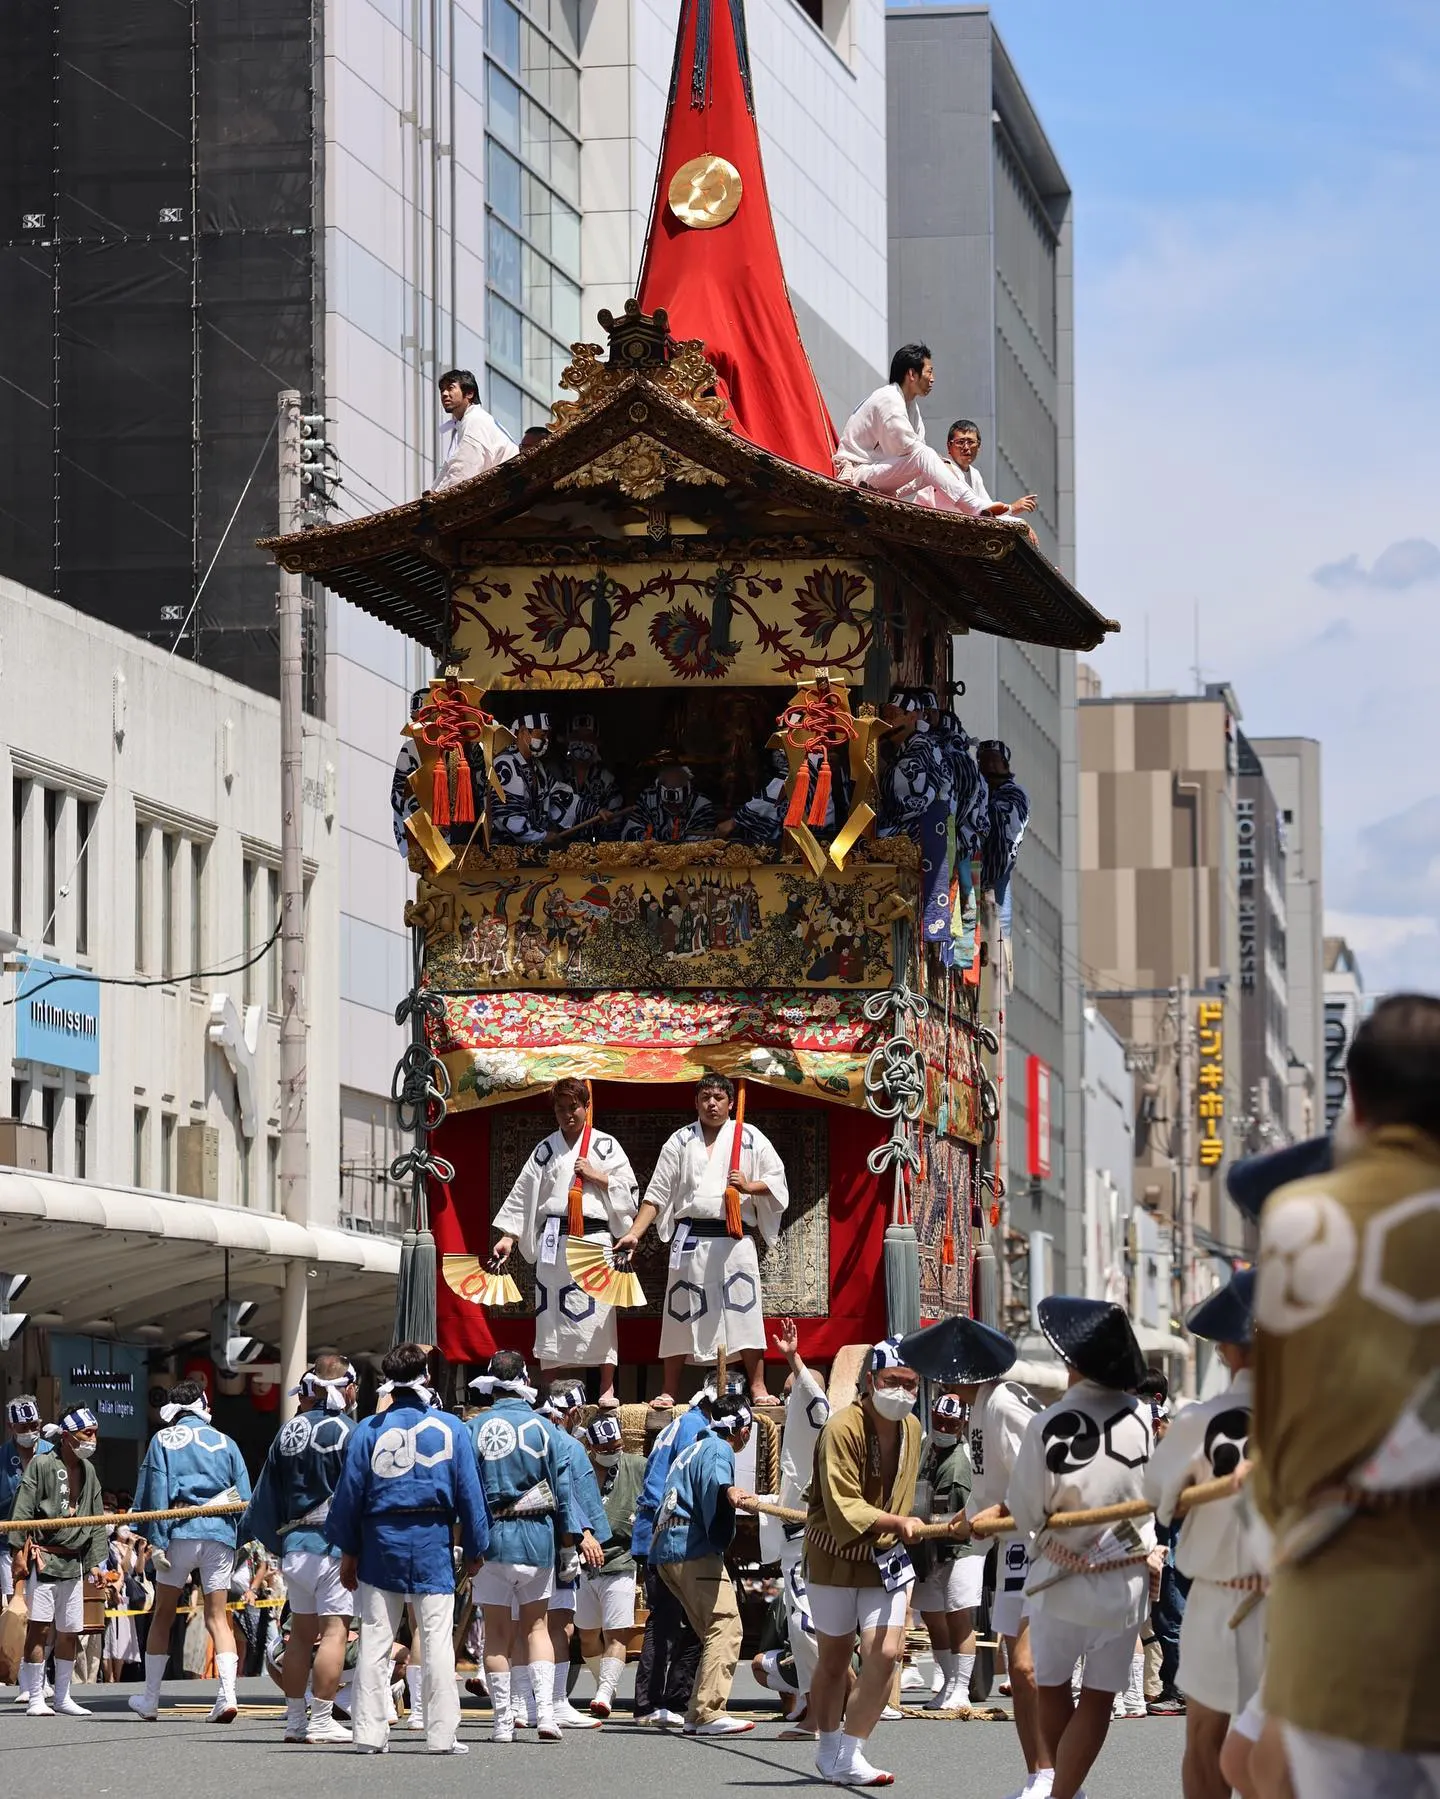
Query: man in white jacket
x: 1222, y: 1548
x: 472, y: 440
x: 1089, y: 1585
x: 883, y: 444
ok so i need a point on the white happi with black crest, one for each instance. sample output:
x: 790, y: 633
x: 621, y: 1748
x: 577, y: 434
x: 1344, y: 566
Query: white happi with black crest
x: 573, y: 1329
x: 712, y: 1290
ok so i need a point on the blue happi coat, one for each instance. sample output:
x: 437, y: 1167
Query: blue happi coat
x: 588, y: 1497
x: 408, y: 1478
x: 12, y: 1472
x: 676, y: 1436
x: 296, y: 1484
x: 696, y: 1517
x: 190, y: 1463
x: 522, y: 1466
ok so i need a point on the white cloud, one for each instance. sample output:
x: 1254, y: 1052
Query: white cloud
x: 1396, y: 955
x: 1399, y: 565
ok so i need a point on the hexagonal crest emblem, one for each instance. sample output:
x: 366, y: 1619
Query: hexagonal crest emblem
x: 741, y: 1293
x: 685, y: 1302
x: 576, y: 1304
x: 1397, y: 1260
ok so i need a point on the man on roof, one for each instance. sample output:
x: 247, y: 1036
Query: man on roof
x: 883, y: 444
x: 471, y: 439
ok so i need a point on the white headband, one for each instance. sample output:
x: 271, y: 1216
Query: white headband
x: 198, y: 1406
x: 731, y: 1426
x: 426, y: 1395
x: 487, y: 1384
x: 332, y: 1387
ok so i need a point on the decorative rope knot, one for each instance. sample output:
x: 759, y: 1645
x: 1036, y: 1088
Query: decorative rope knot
x: 420, y: 1087
x: 902, y: 1001
x: 897, y: 1152
x: 895, y: 1080
x: 425, y: 1006
x: 448, y: 723
x: 419, y: 1165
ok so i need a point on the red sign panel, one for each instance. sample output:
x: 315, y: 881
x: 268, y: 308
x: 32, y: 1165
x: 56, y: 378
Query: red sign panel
x: 1037, y: 1083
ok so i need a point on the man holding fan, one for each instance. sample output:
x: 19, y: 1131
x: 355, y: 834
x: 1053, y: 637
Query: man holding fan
x: 578, y: 1183
x: 718, y: 1182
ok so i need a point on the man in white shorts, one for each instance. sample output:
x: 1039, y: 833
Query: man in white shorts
x: 563, y: 1407
x: 605, y: 1604
x: 189, y: 1462
x: 24, y: 1440
x: 948, y: 1596
x: 534, y: 1519
x: 287, y: 1514
x: 59, y: 1561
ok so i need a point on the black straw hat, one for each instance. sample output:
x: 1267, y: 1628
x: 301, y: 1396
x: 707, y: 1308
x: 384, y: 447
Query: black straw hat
x: 959, y: 1349
x: 1095, y: 1338
x: 1227, y: 1316
x: 1250, y: 1182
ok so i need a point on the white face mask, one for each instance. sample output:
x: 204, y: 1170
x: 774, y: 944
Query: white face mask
x: 943, y: 1439
x: 893, y: 1402
x: 607, y: 1461
x: 85, y: 1451
x: 27, y: 1439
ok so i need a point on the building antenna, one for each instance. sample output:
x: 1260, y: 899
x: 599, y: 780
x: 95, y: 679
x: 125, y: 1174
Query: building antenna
x: 1196, y: 615
x: 1147, y: 652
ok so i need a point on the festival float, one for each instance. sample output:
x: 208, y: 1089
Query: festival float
x: 672, y: 576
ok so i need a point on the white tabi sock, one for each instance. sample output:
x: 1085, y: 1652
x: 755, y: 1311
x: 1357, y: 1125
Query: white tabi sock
x: 963, y: 1670
x: 945, y: 1660
x: 415, y: 1693
x: 322, y: 1711
x: 225, y: 1667
x: 155, y: 1666
x: 64, y: 1674
x: 522, y: 1689
x: 827, y: 1747
x: 562, y: 1682
x: 612, y: 1671
x: 294, y: 1717
x: 31, y: 1675
x: 850, y: 1747
x: 499, y: 1685
x: 544, y: 1691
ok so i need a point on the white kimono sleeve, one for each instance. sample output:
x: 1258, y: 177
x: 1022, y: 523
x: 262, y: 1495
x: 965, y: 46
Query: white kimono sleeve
x: 516, y: 1218
x: 1028, y: 1490
x: 667, y: 1184
x: 623, y: 1191
x: 1175, y: 1462
x: 765, y: 1165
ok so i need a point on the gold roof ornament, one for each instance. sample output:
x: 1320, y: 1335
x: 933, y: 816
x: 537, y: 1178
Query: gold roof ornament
x: 706, y: 192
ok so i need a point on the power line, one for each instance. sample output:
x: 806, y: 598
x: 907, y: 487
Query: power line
x: 224, y: 534
x: 195, y: 976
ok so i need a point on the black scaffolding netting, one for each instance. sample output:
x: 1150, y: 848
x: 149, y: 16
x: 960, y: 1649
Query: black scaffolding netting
x: 158, y: 168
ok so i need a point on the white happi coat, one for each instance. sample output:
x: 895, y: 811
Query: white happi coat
x: 806, y: 1410
x: 999, y: 1417
x: 572, y: 1328
x: 712, y: 1292
x: 1222, y: 1547
x: 1088, y: 1449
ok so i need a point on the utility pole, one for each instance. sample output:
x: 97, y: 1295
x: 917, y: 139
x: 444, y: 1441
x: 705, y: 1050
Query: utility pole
x: 1185, y: 1158
x: 294, y: 1145
x: 990, y: 1299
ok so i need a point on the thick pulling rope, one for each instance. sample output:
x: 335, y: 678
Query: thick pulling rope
x: 175, y: 1511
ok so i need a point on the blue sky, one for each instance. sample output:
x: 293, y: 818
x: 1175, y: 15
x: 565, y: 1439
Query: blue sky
x: 1258, y: 390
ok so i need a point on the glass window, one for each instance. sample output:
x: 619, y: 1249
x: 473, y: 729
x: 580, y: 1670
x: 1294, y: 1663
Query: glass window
x: 85, y: 815
x: 565, y: 164
x: 82, y: 1136
x: 506, y: 403
x: 169, y: 876
x: 506, y: 331
x: 502, y: 256
x: 272, y: 1174
x: 272, y: 960
x: 502, y: 181
x: 19, y: 793
x: 502, y: 33
x: 565, y: 235
x: 538, y: 278
x: 535, y: 138
x: 142, y: 899
x: 541, y: 351
x: 167, y: 1152
x: 197, y: 913
x: 140, y: 1159
x: 50, y: 1098
x: 247, y: 932
x: 565, y: 308
x: 49, y: 898
x: 502, y: 116
x: 242, y: 1170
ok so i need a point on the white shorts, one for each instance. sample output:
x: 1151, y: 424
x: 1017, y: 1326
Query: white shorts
x: 59, y: 1602
x: 1012, y: 1570
x: 512, y: 1583
x: 1057, y: 1645
x: 312, y: 1585
x: 216, y: 1562
x: 954, y: 1587
x: 841, y: 1611
x: 606, y: 1603
x: 1324, y: 1767
x: 562, y: 1599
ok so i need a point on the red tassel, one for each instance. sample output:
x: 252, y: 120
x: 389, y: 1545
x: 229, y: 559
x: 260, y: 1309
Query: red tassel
x: 464, y: 790
x: 440, y: 794
x: 820, y: 798
x: 795, y: 816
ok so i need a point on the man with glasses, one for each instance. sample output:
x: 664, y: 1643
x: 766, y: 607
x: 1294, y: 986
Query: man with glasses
x: 963, y: 444
x: 883, y: 444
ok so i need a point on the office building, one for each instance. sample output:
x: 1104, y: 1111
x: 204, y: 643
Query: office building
x: 1292, y: 768
x: 980, y: 269
x: 1262, y: 991
x: 1345, y: 1006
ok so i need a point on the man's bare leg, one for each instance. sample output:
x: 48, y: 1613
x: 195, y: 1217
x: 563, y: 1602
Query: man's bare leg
x: 1034, y: 1742
x: 1082, y: 1739
x: 754, y: 1360
x: 880, y: 1652
x: 674, y: 1366
x: 295, y: 1667
x: 1204, y: 1739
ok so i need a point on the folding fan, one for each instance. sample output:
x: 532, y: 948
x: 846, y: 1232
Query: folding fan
x: 593, y: 1267
x: 471, y: 1279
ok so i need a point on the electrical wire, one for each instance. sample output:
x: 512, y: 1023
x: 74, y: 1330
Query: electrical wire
x: 195, y: 976
x: 255, y: 468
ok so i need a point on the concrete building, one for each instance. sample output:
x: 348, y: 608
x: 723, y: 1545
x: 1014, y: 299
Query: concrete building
x: 1292, y: 767
x: 1263, y: 997
x: 1345, y: 1006
x: 139, y: 1126
x: 1160, y: 905
x: 981, y: 269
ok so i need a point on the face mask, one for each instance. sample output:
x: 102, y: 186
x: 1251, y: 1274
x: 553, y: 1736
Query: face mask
x: 27, y: 1439
x: 943, y: 1439
x: 607, y: 1461
x: 893, y: 1402
x: 85, y: 1451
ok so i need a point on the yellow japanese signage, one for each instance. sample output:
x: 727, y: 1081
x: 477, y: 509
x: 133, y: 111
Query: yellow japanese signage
x: 1210, y: 1103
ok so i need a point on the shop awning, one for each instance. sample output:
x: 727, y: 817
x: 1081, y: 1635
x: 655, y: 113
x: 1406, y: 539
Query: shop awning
x: 136, y: 1259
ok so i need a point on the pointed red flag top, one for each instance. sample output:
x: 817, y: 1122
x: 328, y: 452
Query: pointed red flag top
x: 711, y: 259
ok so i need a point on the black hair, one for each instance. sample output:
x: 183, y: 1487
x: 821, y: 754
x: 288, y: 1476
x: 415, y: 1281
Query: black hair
x: 532, y: 435
x: 463, y: 379
x: 576, y: 1089
x: 186, y: 1392
x: 722, y: 1081
x: 508, y: 1364
x: 725, y: 1407
x: 1394, y: 1064
x: 963, y: 425
x: 1152, y: 1385
x: 406, y: 1362
x: 909, y: 359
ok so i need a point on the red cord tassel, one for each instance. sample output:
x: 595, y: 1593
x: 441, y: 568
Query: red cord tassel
x: 795, y: 816
x: 464, y: 790
x: 440, y: 794
x: 575, y: 1222
x: 820, y: 798
x: 734, y: 1223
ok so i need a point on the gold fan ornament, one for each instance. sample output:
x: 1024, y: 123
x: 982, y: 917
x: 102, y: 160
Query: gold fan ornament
x: 594, y: 1271
x: 480, y: 1285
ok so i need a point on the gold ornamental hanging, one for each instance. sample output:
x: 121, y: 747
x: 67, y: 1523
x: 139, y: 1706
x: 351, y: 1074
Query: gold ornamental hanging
x: 705, y: 192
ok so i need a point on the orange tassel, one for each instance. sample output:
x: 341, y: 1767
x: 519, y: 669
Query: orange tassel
x: 575, y: 1222
x: 947, y: 1247
x: 464, y: 789
x: 440, y: 794
x: 820, y: 798
x: 795, y: 816
x: 734, y: 1223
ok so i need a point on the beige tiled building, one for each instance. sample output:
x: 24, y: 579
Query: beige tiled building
x: 1160, y: 903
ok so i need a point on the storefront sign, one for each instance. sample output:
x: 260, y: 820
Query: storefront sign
x: 1209, y: 1018
x: 1246, y: 882
x: 1037, y: 1086
x: 108, y: 1378
x: 57, y: 1022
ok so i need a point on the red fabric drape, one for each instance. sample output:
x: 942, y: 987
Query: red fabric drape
x: 727, y: 285
x: 460, y: 1218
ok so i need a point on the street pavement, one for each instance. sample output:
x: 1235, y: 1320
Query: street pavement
x: 114, y: 1753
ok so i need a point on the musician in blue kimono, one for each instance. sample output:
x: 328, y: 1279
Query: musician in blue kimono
x: 523, y: 816
x: 189, y: 1462
x: 585, y: 802
x: 564, y: 1407
x: 670, y: 810
x: 1009, y: 815
x: 408, y: 1481
x: 536, y: 1520
x: 287, y: 1513
x: 915, y: 777
x: 24, y: 1440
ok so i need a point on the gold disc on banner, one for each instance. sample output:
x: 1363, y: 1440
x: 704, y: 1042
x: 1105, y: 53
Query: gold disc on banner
x: 705, y: 192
